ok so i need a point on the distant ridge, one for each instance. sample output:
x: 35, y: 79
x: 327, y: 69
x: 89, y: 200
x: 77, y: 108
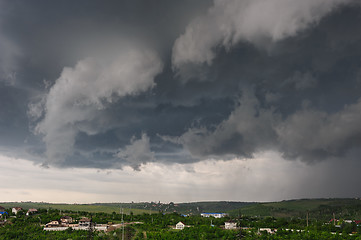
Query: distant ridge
x: 320, y: 208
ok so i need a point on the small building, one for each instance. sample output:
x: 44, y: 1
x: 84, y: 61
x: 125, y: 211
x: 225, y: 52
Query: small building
x: 230, y: 225
x: 101, y: 227
x: 15, y: 210
x: 66, y: 220
x: 268, y: 230
x: 180, y: 226
x: 215, y: 215
x: 85, y: 223
x: 31, y: 211
x: 52, y: 224
x: 3, y: 213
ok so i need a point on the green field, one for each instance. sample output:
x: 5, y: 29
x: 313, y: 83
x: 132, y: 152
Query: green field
x: 107, y: 208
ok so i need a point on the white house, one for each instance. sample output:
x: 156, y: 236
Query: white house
x: 85, y: 223
x: 215, y: 215
x: 230, y: 225
x: 15, y: 210
x: 180, y: 226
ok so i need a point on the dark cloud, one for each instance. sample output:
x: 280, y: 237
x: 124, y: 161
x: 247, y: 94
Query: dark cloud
x: 129, y: 82
x: 13, y: 127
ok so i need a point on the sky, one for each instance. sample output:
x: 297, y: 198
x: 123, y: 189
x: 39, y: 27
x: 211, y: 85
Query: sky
x: 235, y: 100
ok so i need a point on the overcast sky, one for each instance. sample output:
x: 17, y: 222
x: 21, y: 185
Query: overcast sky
x: 137, y: 100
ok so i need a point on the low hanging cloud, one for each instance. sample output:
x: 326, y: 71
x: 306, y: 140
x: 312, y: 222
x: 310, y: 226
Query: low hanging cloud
x: 301, y: 81
x: 312, y: 135
x: 309, y: 135
x: 248, y: 129
x: 228, y: 22
x: 137, y: 153
x: 81, y: 93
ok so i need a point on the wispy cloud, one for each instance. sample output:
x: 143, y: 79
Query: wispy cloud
x: 78, y: 96
x: 258, y: 21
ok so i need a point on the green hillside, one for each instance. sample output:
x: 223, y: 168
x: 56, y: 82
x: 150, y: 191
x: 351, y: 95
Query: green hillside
x: 107, y: 208
x: 317, y: 208
x: 199, y: 207
x: 136, y: 208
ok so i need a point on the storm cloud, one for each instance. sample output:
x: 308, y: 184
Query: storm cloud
x: 308, y: 134
x: 79, y: 95
x: 229, y: 22
x: 116, y: 84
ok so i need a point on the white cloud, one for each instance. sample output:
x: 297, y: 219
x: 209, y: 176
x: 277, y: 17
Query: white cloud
x: 80, y: 93
x: 138, y: 152
x: 228, y: 22
x: 267, y: 177
x: 248, y: 129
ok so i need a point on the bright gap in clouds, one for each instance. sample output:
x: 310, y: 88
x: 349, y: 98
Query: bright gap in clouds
x: 265, y: 178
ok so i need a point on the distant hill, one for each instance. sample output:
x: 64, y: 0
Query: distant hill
x: 322, y: 209
x: 317, y: 209
x: 183, y: 208
x: 199, y: 207
x: 98, y: 207
x: 136, y: 208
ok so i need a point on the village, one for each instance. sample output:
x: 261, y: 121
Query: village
x: 64, y: 221
x: 85, y: 223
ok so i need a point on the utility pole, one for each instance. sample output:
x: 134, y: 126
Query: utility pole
x: 307, y: 218
x: 90, y: 230
x: 122, y: 225
x: 240, y: 227
x: 130, y: 212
